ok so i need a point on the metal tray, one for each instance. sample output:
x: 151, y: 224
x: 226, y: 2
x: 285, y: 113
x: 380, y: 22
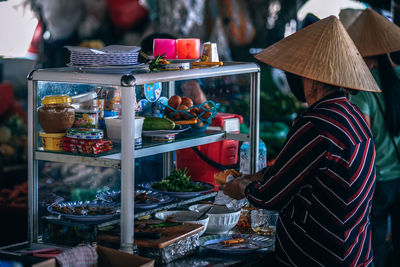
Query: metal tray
x: 115, y: 197
x: 184, y: 194
x: 84, y: 216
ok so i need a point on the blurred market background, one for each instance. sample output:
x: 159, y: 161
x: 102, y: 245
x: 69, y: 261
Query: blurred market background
x: 34, y: 33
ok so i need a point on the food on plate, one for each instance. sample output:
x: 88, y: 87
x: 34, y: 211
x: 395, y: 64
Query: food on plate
x: 232, y: 241
x: 83, y: 209
x: 178, y: 181
x: 143, y: 198
x: 156, y: 123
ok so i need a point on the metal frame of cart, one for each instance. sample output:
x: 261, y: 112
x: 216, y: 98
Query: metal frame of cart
x: 127, y: 80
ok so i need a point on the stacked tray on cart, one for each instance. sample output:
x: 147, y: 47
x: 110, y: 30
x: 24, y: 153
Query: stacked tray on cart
x: 113, y: 55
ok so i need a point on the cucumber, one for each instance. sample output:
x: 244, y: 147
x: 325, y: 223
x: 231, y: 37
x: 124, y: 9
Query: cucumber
x: 156, y: 123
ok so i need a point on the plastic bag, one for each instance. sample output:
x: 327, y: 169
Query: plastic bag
x: 222, y: 199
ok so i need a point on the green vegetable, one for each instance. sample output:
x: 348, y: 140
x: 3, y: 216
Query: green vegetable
x: 156, y: 123
x: 156, y: 63
x: 178, y: 181
x: 165, y: 224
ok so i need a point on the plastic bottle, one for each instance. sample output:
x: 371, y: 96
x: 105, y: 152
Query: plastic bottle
x: 245, y: 157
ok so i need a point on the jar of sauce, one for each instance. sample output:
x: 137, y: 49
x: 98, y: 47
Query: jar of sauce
x: 56, y: 114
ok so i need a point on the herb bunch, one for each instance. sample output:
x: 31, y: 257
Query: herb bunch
x: 178, y: 181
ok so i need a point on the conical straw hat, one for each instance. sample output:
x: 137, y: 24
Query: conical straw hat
x: 323, y: 52
x: 373, y: 34
x: 348, y: 15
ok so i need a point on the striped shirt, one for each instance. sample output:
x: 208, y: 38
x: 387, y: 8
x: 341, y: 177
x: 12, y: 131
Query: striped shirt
x: 322, y: 183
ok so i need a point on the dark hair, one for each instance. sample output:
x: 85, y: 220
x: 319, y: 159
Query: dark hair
x: 395, y: 56
x: 309, y: 19
x: 390, y: 85
x: 296, y: 86
x: 147, y: 43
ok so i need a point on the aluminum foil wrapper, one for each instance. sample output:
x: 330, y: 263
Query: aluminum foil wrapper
x: 174, y: 251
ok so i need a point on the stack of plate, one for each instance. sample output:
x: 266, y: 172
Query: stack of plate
x: 115, y: 55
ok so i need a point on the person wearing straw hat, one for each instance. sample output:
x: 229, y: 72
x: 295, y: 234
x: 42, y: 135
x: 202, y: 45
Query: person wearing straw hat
x: 322, y: 181
x: 376, y: 37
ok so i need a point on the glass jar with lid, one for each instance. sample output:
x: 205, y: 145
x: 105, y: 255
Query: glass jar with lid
x: 56, y: 114
x: 86, y: 113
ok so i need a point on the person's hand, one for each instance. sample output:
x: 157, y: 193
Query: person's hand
x: 235, y: 189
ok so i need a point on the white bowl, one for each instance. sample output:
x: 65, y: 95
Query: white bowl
x: 184, y: 216
x: 222, y: 219
x: 113, y: 125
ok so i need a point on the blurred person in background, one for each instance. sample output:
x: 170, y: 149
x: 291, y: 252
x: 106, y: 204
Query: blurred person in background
x: 322, y: 181
x: 376, y: 37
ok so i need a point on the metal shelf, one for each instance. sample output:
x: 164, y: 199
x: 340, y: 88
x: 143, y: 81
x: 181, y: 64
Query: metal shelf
x: 114, y: 160
x: 139, y: 75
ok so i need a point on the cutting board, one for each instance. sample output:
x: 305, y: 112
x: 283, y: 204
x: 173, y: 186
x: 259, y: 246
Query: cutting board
x: 169, y: 235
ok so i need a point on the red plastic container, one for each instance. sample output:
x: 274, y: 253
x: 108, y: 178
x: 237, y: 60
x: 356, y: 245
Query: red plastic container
x: 224, y: 152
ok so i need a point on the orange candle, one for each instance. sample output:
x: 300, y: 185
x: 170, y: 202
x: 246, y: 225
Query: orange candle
x: 188, y: 48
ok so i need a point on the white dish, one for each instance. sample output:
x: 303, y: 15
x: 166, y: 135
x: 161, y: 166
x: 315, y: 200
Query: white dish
x: 222, y: 219
x: 113, y: 125
x: 184, y: 216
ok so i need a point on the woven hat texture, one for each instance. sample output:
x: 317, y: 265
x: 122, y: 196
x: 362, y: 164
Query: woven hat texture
x: 373, y: 34
x: 323, y: 52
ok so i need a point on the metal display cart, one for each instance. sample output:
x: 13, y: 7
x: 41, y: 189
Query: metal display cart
x: 126, y: 80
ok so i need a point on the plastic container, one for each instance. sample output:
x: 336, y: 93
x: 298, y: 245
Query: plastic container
x: 56, y: 114
x: 52, y: 141
x: 85, y: 101
x: 245, y: 157
x: 164, y: 46
x: 85, y: 133
x: 222, y: 219
x: 113, y: 125
x: 188, y: 48
x: 224, y: 153
x: 86, y: 118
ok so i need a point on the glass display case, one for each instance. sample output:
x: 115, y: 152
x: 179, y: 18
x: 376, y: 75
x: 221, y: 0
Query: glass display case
x: 230, y: 85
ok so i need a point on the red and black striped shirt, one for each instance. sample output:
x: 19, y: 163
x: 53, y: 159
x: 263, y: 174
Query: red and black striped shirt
x: 322, y: 183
